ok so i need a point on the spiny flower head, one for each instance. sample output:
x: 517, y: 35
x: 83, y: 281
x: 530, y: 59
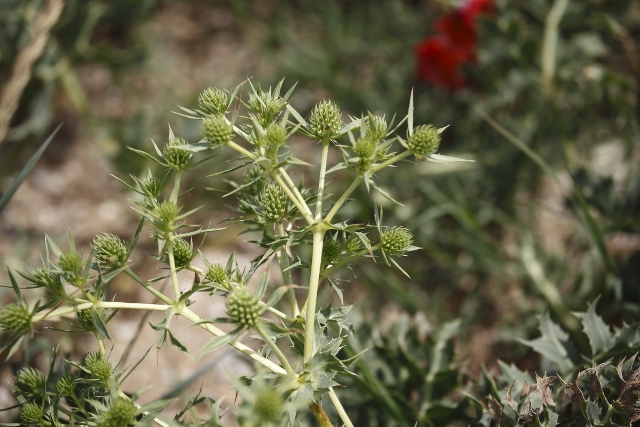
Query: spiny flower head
x: 216, y: 274
x: 65, y: 386
x: 29, y: 383
x: 353, y: 244
x: 266, y: 104
x: 151, y: 186
x: 85, y: 318
x: 98, y: 365
x: 43, y: 278
x: 165, y: 214
x: 110, y: 250
x: 31, y: 413
x: 243, y: 307
x: 276, y: 135
x: 182, y: 253
x: 16, y: 318
x: 396, y: 241
x: 377, y: 128
x: 70, y: 261
x: 216, y: 130
x: 325, y: 120
x: 268, y: 405
x: 331, y: 249
x: 274, y: 203
x: 365, y: 147
x: 174, y: 154
x: 213, y: 100
x: 424, y: 141
x: 121, y: 413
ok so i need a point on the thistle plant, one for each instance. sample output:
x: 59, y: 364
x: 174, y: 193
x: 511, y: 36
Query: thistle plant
x: 300, y: 361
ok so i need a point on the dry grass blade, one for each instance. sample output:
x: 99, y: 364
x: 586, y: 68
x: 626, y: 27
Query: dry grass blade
x: 23, y: 66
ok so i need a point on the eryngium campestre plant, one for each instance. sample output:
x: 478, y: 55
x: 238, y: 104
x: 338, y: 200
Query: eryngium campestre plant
x: 300, y: 232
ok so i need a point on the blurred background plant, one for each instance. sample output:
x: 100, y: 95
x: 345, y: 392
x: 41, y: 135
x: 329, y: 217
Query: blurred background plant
x: 542, y: 94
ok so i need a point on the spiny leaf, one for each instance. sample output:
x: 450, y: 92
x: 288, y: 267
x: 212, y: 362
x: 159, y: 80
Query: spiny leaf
x: 596, y: 330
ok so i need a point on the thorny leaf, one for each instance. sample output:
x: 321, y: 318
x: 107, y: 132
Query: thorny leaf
x: 542, y: 386
x: 578, y: 397
x: 495, y: 410
x: 629, y: 393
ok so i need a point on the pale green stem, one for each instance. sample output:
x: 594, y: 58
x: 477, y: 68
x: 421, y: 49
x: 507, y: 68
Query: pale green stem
x: 156, y: 420
x: 334, y: 210
x: 101, y: 348
x: 343, y: 414
x: 149, y: 288
x: 186, y: 312
x: 84, y: 305
x: 550, y: 45
x: 391, y: 161
x: 293, y: 198
x: 283, y: 360
x: 172, y: 266
x: 323, y: 172
x: 275, y: 311
x: 314, y: 282
x: 248, y: 154
x: 283, y: 260
x: 294, y: 189
x: 319, y: 414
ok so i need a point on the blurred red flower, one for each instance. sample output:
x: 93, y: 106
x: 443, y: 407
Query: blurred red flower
x: 440, y: 57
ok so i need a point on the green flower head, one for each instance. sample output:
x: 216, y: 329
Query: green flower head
x: 325, y: 120
x: 15, y: 318
x: 243, y: 307
x: 174, y: 154
x: 424, y: 141
x: 70, y: 261
x: 396, y: 241
x: 110, y: 251
x: 213, y: 101
x: 216, y: 130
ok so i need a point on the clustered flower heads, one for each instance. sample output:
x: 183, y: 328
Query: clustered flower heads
x: 216, y: 274
x: 165, y: 214
x: 31, y: 413
x: 326, y: 120
x: 331, y: 249
x: 30, y: 383
x: 243, y: 307
x: 182, y: 253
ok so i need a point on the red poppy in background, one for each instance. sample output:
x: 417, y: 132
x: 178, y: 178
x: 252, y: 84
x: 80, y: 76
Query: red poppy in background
x: 440, y: 57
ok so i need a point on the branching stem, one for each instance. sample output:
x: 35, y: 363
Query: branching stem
x: 278, y: 352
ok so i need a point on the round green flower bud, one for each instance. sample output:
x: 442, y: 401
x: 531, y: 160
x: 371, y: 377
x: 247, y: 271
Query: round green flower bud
x: 424, y: 141
x: 243, y: 307
x: 30, y: 383
x: 213, y: 101
x: 353, y: 244
x: 365, y: 147
x: 274, y: 203
x: 15, y: 318
x: 216, y: 130
x: 396, y: 241
x: 99, y: 367
x: 31, y: 413
x: 110, y: 250
x: 166, y: 213
x: 70, y: 261
x: 268, y: 405
x: 121, y: 413
x: 182, y: 253
x: 216, y: 274
x: 176, y: 157
x: 325, y: 120
x: 377, y: 128
x: 151, y: 186
x: 276, y: 135
x: 65, y: 386
x: 331, y: 249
